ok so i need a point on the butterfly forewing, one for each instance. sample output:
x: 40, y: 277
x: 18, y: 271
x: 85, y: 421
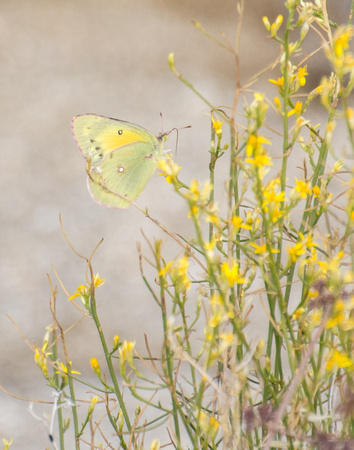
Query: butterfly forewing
x: 98, y: 134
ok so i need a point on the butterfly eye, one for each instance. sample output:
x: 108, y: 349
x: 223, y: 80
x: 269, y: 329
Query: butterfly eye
x: 120, y: 132
x: 120, y: 168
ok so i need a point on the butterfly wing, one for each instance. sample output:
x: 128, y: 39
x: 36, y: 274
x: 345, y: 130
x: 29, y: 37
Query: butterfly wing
x: 123, y: 174
x: 121, y: 157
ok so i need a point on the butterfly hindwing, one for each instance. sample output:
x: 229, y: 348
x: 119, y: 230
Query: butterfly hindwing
x: 123, y: 173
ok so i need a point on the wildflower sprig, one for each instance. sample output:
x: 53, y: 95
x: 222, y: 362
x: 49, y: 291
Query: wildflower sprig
x: 85, y: 291
x: 256, y: 305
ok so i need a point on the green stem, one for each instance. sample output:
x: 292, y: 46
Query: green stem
x: 111, y: 371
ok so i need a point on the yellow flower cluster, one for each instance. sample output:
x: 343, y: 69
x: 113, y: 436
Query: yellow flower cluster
x: 209, y: 425
x: 84, y: 291
x: 178, y: 272
x: 199, y: 199
x: 297, y: 79
x: 342, y: 315
x: 340, y: 56
x: 257, y: 154
x: 126, y: 355
x: 168, y: 168
x: 297, y: 250
x: 273, y: 199
x: 274, y: 27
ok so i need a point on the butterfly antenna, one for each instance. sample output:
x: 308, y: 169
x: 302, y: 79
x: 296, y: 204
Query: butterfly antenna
x: 177, y: 131
x: 173, y: 129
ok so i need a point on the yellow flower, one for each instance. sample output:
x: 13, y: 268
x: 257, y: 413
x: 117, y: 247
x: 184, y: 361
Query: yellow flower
x: 260, y: 161
x: 296, y: 110
x: 338, y: 360
x: 178, y: 271
x: 164, y: 270
x: 215, y: 319
x: 92, y: 405
x: 227, y: 339
x: 85, y: 291
x: 259, y: 97
x: 195, y: 189
x: 266, y: 23
x: 300, y: 247
x: 6, y: 443
x: 97, y: 281
x: 255, y: 144
x: 217, y: 124
x: 302, y: 187
x: 155, y: 445
x: 126, y: 353
x: 214, y: 219
x: 209, y: 334
x: 301, y: 75
x: 180, y: 274
x: 341, y: 41
x: 298, y: 313
x: 316, y: 191
x: 338, y: 319
x: 80, y: 291
x: 236, y: 222
x: 279, y: 82
x: 96, y: 367
x: 338, y: 164
x: 278, y: 21
x: 340, y: 56
x: 40, y: 358
x: 350, y: 115
x: 332, y: 265
x: 316, y: 317
x: 271, y: 195
x: 209, y: 248
x: 259, y: 249
x: 215, y: 300
x: 262, y: 249
x: 209, y: 425
x: 120, y: 420
x: 193, y: 212
x: 168, y: 168
x: 115, y: 342
x: 231, y: 274
x: 277, y: 104
x: 276, y: 214
x: 64, y: 369
x: 252, y: 221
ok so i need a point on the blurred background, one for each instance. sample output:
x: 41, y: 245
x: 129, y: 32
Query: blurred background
x: 60, y: 59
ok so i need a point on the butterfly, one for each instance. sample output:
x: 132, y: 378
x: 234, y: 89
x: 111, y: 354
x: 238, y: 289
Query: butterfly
x: 120, y: 157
